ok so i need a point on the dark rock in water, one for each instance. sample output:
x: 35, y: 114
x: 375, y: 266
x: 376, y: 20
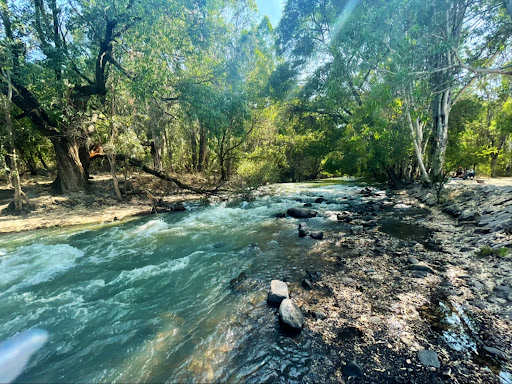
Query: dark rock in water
x: 300, y: 213
x: 306, y: 284
x: 313, y: 276
x: 319, y: 315
x: 419, y: 267
x: 219, y: 245
x: 495, y: 352
x: 320, y: 200
x: 369, y: 224
x: 303, y: 229
x: 234, y: 283
x: 352, y: 369
x: 277, y: 293
x: 290, y: 316
x: 319, y: 235
x: 429, y: 358
x: 179, y: 207
x: 308, y: 205
x: 280, y: 215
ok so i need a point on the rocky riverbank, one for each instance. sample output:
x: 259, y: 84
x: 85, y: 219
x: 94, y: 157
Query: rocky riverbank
x: 410, y: 297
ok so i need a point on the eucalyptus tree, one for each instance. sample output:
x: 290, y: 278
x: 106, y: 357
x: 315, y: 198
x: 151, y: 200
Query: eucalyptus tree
x: 64, y: 54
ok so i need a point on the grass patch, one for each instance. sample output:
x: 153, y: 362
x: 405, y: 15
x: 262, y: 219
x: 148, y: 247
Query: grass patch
x: 489, y: 252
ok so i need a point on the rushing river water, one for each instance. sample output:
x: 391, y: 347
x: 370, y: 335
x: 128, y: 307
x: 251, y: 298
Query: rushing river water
x: 149, y: 300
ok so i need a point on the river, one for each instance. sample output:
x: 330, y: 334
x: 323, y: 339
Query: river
x: 149, y: 300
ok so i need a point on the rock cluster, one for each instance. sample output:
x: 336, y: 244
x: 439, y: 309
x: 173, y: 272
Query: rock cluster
x: 487, y: 206
x: 290, y: 315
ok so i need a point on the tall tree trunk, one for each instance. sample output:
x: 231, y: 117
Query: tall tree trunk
x: 113, y: 141
x: 202, y: 150
x: 441, y: 106
x: 19, y: 196
x: 494, y: 160
x: 15, y: 176
x: 193, y: 148
x: 70, y: 172
x: 416, y: 132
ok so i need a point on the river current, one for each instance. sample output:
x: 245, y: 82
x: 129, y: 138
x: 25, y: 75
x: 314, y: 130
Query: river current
x: 149, y: 300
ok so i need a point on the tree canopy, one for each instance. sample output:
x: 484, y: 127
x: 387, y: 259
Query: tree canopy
x: 382, y: 88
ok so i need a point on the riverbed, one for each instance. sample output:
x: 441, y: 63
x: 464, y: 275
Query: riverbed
x: 150, y: 300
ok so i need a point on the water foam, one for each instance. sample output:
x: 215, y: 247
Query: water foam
x: 36, y: 263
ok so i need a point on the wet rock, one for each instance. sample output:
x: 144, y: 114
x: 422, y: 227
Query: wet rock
x: 319, y: 315
x: 303, y: 230
x: 344, y: 216
x: 313, y: 275
x: 234, y: 283
x: 429, y: 358
x: 277, y: 293
x: 290, y: 316
x: 495, y: 352
x: 280, y: 215
x: 307, y: 205
x: 300, y: 213
x: 320, y: 200
x: 307, y: 284
x: 179, y: 207
x: 352, y: 369
x: 319, y: 235
x: 419, y: 267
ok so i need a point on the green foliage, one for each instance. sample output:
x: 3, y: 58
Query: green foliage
x: 492, y: 252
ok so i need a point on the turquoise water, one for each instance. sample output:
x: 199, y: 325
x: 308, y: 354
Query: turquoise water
x: 149, y: 300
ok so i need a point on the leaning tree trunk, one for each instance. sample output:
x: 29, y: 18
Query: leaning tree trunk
x: 71, y: 176
x: 440, y: 111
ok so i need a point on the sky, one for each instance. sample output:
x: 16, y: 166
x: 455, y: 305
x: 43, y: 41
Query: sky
x: 272, y: 9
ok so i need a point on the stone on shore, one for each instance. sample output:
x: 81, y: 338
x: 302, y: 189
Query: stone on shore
x: 429, y: 358
x: 290, y: 316
x: 419, y: 267
x: 300, y: 213
x: 277, y: 293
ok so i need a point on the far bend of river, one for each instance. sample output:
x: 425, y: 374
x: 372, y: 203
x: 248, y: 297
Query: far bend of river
x: 149, y: 300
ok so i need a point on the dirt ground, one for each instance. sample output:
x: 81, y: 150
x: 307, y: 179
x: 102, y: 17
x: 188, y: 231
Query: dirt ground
x: 97, y: 205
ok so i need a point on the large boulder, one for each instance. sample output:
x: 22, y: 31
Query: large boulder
x: 290, y: 316
x: 277, y: 293
x: 301, y: 213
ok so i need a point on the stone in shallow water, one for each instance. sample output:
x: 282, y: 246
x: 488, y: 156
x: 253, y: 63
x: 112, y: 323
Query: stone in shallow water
x: 303, y: 230
x: 429, y: 358
x: 319, y: 235
x: 277, y: 293
x: 290, y: 315
x: 300, y: 213
x: 352, y: 369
